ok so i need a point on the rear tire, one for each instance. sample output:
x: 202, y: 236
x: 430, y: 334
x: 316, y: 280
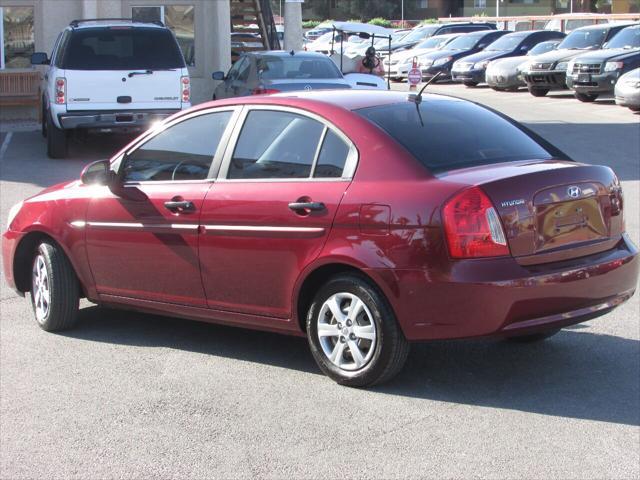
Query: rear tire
x: 532, y: 338
x: 56, y: 140
x: 538, y: 91
x: 360, y: 343
x: 586, y: 97
x: 470, y: 84
x: 499, y: 89
x: 54, y: 289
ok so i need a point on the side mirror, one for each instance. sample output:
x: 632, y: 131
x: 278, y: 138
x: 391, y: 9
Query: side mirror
x: 39, y: 58
x: 97, y: 173
x: 218, y: 75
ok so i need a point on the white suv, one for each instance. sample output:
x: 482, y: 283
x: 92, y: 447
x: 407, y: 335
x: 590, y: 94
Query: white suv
x: 111, y: 75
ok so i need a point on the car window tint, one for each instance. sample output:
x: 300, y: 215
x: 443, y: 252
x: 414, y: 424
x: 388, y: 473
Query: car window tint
x: 122, y: 48
x: 447, y: 135
x: 333, y: 156
x: 275, y: 145
x: 181, y: 152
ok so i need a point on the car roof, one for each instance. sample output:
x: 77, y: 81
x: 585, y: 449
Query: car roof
x: 113, y: 23
x: 599, y: 26
x: 287, y: 54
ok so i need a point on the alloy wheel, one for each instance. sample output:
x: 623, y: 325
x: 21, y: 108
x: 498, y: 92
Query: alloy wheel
x: 346, y: 331
x: 40, y: 289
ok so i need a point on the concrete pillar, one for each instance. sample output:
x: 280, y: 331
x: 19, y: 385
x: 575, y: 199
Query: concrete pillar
x: 293, y: 25
x: 215, y: 26
x: 89, y: 8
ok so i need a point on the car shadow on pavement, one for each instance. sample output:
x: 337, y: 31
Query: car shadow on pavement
x: 575, y: 374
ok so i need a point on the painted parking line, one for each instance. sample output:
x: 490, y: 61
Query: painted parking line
x: 5, y: 144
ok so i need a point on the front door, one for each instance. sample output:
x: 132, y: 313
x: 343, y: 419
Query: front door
x: 142, y: 236
x: 271, y: 210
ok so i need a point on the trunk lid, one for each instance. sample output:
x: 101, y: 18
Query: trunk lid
x: 290, y: 85
x: 119, y: 89
x: 552, y: 210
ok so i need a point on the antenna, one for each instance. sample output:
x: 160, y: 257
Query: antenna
x: 418, y: 98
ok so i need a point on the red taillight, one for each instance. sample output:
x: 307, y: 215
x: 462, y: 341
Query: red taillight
x: 61, y: 90
x: 264, y: 91
x: 185, y: 89
x: 472, y: 226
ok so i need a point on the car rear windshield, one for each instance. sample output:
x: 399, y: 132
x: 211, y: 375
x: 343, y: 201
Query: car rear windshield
x: 292, y: 67
x: 122, y: 48
x: 583, y: 39
x: 452, y: 134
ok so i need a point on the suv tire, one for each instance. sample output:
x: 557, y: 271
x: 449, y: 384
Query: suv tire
x: 586, y: 97
x: 54, y: 288
x: 538, y: 91
x: 56, y: 140
x: 371, y: 330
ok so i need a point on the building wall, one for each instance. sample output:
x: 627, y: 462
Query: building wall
x: 212, y: 34
x: 543, y: 7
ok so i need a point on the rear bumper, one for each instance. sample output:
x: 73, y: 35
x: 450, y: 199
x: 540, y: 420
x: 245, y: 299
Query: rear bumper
x: 595, y: 83
x: 122, y: 120
x: 500, y: 297
x: 551, y: 79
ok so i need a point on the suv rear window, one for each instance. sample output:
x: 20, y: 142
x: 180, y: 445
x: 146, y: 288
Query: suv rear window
x: 452, y: 134
x: 121, y: 48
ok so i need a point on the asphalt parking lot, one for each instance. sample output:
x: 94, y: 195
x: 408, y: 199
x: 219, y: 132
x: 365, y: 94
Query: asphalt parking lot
x: 126, y: 395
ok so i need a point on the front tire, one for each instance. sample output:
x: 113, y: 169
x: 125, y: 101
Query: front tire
x: 56, y: 140
x: 54, y: 289
x: 538, y: 91
x: 586, y: 97
x: 470, y: 84
x: 353, y: 333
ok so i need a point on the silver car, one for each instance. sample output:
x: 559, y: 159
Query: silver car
x: 505, y: 73
x: 272, y: 71
x: 628, y: 90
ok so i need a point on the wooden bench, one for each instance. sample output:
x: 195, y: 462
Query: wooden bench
x: 21, y: 88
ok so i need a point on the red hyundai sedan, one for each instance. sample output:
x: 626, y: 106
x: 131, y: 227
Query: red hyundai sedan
x: 363, y: 220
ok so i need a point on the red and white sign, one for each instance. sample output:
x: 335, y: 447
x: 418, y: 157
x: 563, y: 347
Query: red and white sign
x: 414, y: 76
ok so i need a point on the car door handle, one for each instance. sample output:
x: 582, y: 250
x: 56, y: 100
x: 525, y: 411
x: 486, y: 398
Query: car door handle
x: 180, y: 206
x: 306, y: 206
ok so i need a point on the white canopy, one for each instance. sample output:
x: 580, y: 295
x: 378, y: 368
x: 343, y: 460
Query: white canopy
x: 355, y: 27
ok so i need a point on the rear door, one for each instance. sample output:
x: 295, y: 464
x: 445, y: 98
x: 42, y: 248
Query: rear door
x: 271, y: 209
x: 111, y: 68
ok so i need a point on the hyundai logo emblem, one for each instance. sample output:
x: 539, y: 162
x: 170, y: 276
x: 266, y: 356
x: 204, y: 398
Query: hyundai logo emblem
x: 307, y: 87
x: 574, y: 191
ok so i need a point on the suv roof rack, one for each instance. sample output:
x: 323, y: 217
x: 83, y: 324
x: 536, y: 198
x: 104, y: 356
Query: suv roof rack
x: 77, y: 22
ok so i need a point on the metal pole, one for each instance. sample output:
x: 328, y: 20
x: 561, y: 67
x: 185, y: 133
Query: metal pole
x: 389, y: 67
x: 402, y: 13
x: 571, y: 7
x: 497, y: 8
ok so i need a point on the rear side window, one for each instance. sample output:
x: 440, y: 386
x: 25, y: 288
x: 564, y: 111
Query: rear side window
x: 181, y: 152
x: 332, y: 158
x: 448, y: 135
x: 275, y: 145
x: 121, y: 48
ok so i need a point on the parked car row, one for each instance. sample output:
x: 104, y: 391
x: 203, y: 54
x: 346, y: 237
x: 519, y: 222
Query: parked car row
x: 591, y: 60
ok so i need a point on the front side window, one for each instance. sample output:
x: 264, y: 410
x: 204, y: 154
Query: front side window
x: 17, y: 37
x: 627, y: 38
x: 283, y: 145
x: 178, y: 18
x: 448, y: 135
x: 121, y: 48
x: 181, y: 152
